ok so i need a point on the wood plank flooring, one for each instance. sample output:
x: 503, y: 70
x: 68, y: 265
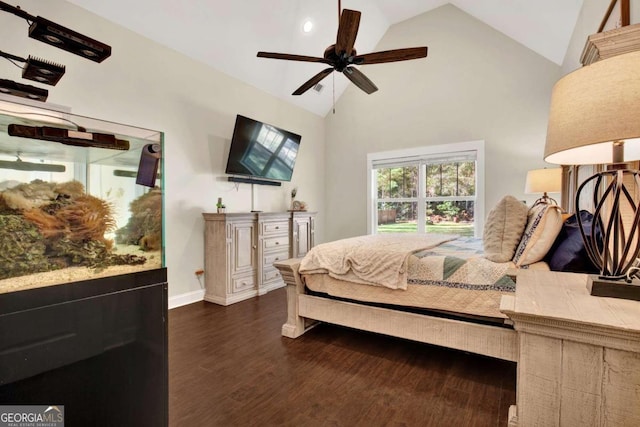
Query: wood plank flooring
x: 229, y: 366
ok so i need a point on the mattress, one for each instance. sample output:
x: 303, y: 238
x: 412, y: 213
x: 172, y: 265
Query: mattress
x: 452, y: 278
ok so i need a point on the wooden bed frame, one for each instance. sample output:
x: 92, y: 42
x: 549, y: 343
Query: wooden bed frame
x: 305, y: 311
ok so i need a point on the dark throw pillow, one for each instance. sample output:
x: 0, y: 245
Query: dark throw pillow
x: 568, y: 252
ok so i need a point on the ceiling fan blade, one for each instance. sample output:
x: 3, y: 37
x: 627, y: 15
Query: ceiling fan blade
x: 313, y: 81
x: 290, y: 57
x: 391, y: 56
x: 360, y: 80
x: 347, y: 31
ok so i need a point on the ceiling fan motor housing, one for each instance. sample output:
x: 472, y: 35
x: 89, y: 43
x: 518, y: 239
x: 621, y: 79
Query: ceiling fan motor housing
x: 339, y: 61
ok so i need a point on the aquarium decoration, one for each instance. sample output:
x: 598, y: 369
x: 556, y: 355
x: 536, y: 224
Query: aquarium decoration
x: 79, y: 138
x: 22, y: 247
x: 49, y: 226
x: 144, y: 227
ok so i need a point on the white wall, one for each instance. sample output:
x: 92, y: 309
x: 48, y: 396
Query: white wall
x: 589, y: 20
x: 476, y: 84
x: 147, y: 85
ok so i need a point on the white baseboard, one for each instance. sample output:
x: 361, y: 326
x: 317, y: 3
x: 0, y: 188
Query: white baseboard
x: 184, y: 299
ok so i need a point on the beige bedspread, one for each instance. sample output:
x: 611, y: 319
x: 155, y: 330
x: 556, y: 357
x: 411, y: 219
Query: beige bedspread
x: 379, y: 260
x: 452, y: 277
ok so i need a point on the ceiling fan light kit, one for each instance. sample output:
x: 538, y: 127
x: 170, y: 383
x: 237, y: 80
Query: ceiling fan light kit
x: 342, y: 56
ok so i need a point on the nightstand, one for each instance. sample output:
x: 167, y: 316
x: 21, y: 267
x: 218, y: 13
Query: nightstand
x: 579, y: 355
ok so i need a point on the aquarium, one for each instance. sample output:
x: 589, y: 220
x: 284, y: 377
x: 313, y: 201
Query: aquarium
x: 80, y: 198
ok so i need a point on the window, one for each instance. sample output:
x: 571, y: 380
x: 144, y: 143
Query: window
x: 397, y: 197
x: 434, y: 189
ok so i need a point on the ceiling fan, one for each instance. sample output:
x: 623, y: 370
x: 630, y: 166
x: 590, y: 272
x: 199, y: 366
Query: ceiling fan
x: 342, y: 56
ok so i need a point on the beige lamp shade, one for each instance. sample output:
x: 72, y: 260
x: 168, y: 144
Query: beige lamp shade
x: 593, y: 107
x: 543, y: 181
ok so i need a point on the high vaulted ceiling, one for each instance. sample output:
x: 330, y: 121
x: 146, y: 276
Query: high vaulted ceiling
x: 227, y: 34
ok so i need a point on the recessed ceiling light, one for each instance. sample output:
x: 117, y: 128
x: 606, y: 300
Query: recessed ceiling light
x: 307, y: 26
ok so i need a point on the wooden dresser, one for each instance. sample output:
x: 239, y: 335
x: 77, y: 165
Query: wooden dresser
x: 579, y: 355
x: 240, y: 249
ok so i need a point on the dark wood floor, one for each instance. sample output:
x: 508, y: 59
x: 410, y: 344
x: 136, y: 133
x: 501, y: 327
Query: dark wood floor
x: 229, y: 366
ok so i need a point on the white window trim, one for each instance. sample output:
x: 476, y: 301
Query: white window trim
x: 477, y: 146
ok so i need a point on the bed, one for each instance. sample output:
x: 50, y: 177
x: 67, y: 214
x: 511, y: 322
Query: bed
x: 448, y: 292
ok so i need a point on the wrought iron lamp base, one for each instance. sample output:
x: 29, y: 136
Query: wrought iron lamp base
x: 601, y: 287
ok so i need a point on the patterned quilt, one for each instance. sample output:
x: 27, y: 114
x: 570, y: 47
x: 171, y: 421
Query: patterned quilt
x: 459, y: 264
x: 452, y: 276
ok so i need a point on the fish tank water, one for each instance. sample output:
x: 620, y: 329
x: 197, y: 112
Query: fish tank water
x: 71, y: 205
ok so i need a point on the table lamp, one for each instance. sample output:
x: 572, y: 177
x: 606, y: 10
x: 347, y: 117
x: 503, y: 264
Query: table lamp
x: 543, y: 181
x: 594, y: 118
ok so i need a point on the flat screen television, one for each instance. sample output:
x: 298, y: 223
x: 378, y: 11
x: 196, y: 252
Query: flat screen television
x: 262, y: 150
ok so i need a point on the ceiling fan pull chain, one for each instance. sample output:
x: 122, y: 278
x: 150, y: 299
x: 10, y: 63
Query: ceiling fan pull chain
x: 334, y: 92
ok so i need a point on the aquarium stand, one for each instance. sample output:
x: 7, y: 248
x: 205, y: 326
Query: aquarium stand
x: 98, y: 347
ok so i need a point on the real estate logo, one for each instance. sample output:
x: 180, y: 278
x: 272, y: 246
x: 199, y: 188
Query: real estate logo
x: 31, y: 415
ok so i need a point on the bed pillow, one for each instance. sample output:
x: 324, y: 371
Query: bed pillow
x: 503, y: 229
x: 544, y: 223
x: 568, y: 252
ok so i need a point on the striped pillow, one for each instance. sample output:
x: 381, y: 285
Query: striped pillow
x: 544, y: 223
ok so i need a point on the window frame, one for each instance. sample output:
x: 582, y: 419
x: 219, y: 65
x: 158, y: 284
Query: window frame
x: 436, y: 151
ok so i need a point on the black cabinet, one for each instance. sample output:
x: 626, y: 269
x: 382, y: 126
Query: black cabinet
x: 98, y: 347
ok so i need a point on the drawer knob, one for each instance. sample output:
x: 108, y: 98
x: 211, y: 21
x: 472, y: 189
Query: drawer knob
x: 277, y: 228
x: 277, y: 243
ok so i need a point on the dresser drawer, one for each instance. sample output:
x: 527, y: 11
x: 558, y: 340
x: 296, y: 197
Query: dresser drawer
x: 272, y: 257
x: 273, y: 243
x: 270, y: 274
x: 275, y: 228
x: 242, y: 283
